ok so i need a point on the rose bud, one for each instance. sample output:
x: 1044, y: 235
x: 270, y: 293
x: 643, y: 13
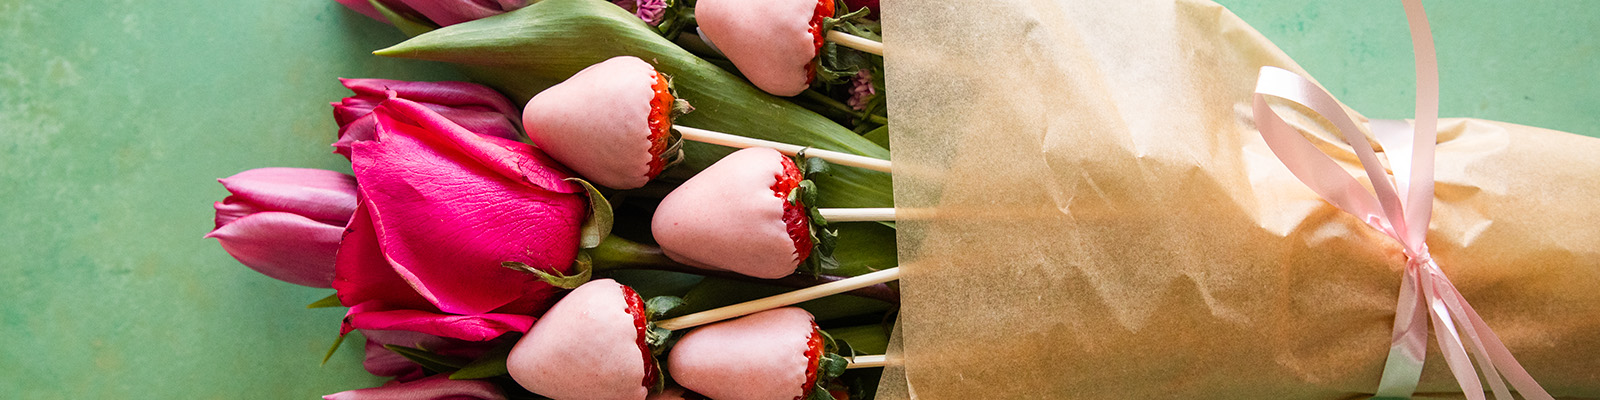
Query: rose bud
x: 737, y: 215
x: 437, y: 387
x: 590, y: 345
x: 286, y: 222
x: 475, y: 107
x: 440, y: 12
x: 772, y: 42
x: 610, y: 122
x: 441, y: 210
x: 770, y: 355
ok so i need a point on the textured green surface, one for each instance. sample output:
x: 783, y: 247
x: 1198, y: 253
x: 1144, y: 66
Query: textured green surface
x: 116, y: 116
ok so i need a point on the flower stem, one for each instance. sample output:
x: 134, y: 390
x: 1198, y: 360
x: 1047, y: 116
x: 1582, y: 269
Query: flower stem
x: 822, y: 99
x: 617, y: 253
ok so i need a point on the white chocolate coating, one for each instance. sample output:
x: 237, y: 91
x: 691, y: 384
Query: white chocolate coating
x: 727, y: 217
x: 768, y: 40
x: 598, y: 122
x: 761, y: 356
x: 585, y: 348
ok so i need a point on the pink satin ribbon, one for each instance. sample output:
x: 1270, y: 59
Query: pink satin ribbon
x: 1401, y: 208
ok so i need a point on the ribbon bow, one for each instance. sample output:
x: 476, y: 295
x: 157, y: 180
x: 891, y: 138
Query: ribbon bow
x: 1400, y: 208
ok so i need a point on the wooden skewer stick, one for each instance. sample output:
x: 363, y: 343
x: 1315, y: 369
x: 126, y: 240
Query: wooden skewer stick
x: 768, y: 303
x: 719, y: 138
x: 856, y: 42
x: 872, y: 361
x: 857, y: 214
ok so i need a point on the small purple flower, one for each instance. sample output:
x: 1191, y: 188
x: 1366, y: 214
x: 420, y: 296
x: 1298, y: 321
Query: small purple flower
x: 651, y: 11
x: 861, y: 90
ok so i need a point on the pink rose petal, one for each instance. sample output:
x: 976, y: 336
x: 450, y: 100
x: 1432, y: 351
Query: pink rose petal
x: 449, y: 206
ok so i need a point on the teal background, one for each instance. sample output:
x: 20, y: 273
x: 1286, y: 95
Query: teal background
x: 117, y: 116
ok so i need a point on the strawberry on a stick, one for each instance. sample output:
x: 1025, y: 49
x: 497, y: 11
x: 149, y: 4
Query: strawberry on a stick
x: 590, y: 345
x: 612, y: 123
x: 776, y: 43
x: 776, y: 354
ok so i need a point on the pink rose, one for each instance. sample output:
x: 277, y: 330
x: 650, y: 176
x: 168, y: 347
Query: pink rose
x: 440, y: 12
x: 286, y: 222
x: 437, y: 387
x: 441, y: 208
x: 475, y: 107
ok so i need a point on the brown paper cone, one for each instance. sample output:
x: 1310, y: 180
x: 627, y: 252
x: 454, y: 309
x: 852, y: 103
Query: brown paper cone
x: 1099, y: 219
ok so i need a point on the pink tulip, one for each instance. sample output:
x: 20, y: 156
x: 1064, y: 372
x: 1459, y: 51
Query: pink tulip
x: 441, y: 209
x: 441, y: 12
x: 286, y: 222
x: 382, y: 362
x: 475, y: 107
x: 437, y: 387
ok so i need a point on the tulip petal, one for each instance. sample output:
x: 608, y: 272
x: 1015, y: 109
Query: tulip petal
x: 465, y: 327
x: 446, y: 221
x: 320, y: 195
x: 460, y: 95
x: 230, y: 209
x: 451, y: 12
x: 437, y: 387
x: 284, y: 246
x: 381, y: 361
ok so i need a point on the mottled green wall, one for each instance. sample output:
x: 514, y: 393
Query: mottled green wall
x: 116, y: 116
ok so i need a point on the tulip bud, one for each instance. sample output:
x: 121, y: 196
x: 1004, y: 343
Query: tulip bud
x: 440, y: 12
x: 438, y: 387
x: 286, y: 223
x: 477, y: 108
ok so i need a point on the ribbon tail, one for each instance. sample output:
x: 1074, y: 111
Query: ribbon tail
x: 1408, y: 346
x: 1444, y: 332
x: 1502, y: 359
x: 1452, y: 299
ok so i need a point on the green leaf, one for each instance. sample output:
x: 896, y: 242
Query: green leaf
x: 427, y: 359
x: 333, y: 349
x: 583, y: 264
x: 331, y: 301
x: 489, y: 365
x: 598, y: 225
x: 816, y: 166
x: 409, y: 25
x: 879, y: 136
x: 808, y: 193
x: 659, y: 306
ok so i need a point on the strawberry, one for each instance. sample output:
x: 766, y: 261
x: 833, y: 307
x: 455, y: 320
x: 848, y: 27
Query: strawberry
x: 640, y: 325
x: 610, y: 122
x: 824, y: 11
x: 814, y: 351
x: 660, y: 121
x: 769, y: 355
x: 795, y: 217
x: 588, y: 346
x: 736, y: 216
x: 772, y: 42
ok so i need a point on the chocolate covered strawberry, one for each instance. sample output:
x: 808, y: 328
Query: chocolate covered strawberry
x: 610, y: 122
x: 772, y: 42
x: 590, y: 345
x: 776, y: 354
x: 741, y: 214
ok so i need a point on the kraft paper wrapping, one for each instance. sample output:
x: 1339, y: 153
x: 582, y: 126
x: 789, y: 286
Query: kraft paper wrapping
x: 1088, y: 212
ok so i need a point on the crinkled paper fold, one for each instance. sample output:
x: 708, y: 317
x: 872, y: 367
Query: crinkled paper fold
x: 1088, y: 212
